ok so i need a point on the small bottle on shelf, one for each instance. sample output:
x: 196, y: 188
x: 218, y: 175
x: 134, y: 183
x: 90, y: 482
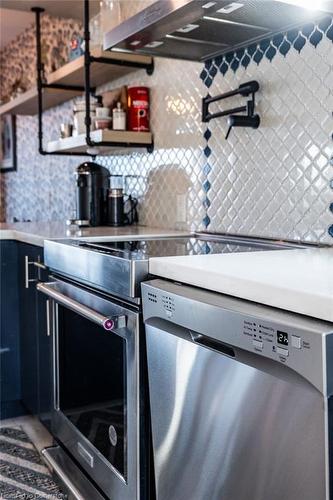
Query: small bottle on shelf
x: 119, y: 118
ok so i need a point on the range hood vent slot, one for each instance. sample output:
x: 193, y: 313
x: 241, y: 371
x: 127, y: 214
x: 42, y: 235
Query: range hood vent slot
x: 199, y: 29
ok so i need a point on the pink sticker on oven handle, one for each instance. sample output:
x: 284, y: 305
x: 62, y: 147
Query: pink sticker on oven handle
x: 108, y: 324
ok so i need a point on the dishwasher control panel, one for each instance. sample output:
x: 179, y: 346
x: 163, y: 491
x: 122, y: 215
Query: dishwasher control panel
x: 167, y: 302
x: 266, y: 338
x: 292, y: 340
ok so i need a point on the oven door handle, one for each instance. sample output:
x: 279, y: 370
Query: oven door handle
x: 107, y: 322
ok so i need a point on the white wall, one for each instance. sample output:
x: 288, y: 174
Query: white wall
x: 274, y: 181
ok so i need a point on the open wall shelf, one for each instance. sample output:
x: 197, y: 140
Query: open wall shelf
x: 78, y: 77
x: 27, y: 103
x: 72, y: 75
x: 102, y: 139
x: 115, y: 66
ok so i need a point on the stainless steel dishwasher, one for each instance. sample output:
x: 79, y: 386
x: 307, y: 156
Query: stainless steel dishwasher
x: 240, y: 398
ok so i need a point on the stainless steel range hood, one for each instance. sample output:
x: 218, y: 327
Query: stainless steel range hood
x: 200, y: 29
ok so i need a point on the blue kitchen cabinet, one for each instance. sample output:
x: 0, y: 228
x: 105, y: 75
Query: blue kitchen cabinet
x: 25, y: 370
x: 28, y: 275
x: 10, y: 380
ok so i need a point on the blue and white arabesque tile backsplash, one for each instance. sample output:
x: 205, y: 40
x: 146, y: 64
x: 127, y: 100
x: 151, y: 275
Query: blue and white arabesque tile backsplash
x: 276, y: 181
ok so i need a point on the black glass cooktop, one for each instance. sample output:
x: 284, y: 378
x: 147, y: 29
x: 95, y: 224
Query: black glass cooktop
x: 144, y: 249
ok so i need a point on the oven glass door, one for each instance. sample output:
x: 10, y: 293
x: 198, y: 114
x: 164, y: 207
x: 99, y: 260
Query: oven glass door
x: 97, y: 402
x: 92, y: 384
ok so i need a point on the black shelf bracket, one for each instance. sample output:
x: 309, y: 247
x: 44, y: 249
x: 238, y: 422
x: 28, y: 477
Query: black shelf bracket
x: 120, y: 62
x: 250, y: 119
x: 86, y: 88
x: 40, y: 77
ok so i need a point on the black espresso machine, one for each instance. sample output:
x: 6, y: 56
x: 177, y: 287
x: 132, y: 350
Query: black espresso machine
x: 92, y: 184
x: 97, y: 204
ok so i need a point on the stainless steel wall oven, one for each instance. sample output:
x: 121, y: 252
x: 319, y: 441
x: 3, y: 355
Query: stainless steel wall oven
x: 97, y: 393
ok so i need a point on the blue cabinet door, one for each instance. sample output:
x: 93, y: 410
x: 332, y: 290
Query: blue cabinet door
x: 10, y: 384
x: 29, y: 325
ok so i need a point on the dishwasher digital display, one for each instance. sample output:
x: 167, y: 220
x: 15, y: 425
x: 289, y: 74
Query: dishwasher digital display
x: 282, y: 338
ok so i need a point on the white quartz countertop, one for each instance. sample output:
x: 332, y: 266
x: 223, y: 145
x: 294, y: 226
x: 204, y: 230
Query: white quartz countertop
x: 295, y: 280
x: 36, y: 232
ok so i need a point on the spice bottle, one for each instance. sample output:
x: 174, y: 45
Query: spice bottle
x: 119, y: 118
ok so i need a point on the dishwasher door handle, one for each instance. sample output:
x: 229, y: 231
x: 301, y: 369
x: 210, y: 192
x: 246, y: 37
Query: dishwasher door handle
x: 213, y: 344
x: 107, y: 322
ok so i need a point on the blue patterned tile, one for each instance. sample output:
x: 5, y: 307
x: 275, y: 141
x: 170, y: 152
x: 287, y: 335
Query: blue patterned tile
x: 207, y: 151
x: 229, y: 57
x: 246, y: 61
x: 277, y: 40
x: 258, y: 56
x: 213, y: 71
x: 206, y: 203
x: 206, y: 186
x: 208, y: 81
x: 316, y: 37
x: 330, y: 231
x: 203, y: 74
x: 223, y: 68
x: 299, y: 42
x: 218, y: 60
x: 264, y: 44
x: 207, y: 134
x: 284, y: 47
x: 251, y: 49
x: 331, y: 183
x: 240, y: 53
x: 235, y: 65
x: 206, y: 248
x: 206, y: 221
x: 270, y: 53
x: 331, y: 207
x: 207, y: 169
